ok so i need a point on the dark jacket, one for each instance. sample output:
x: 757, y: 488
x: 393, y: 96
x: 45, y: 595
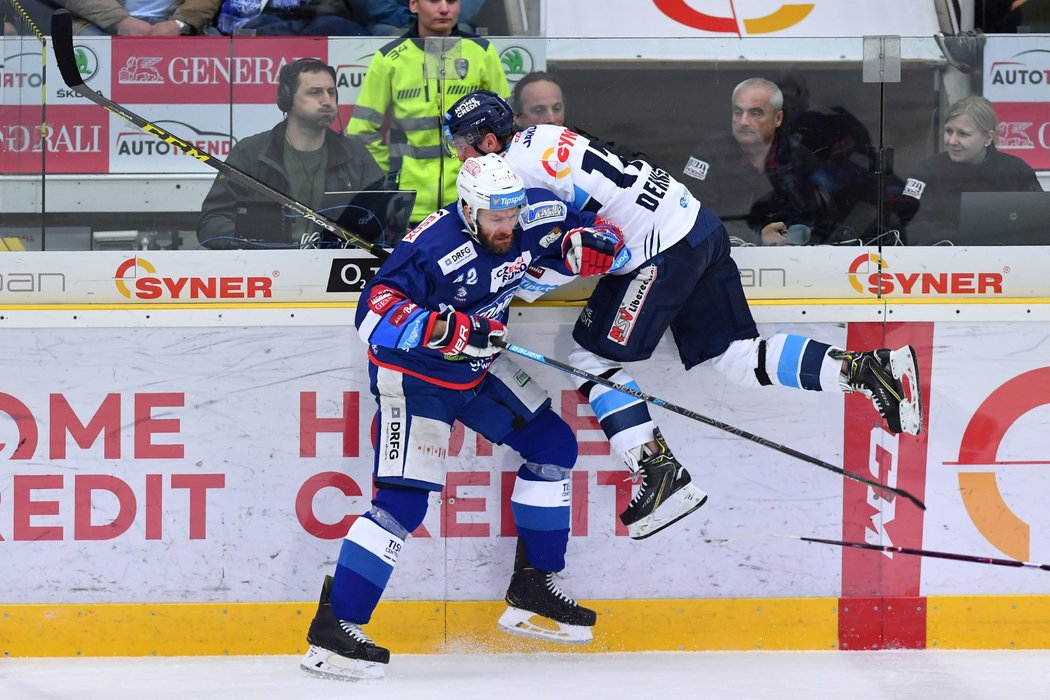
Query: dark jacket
x: 937, y: 187
x: 747, y: 200
x: 350, y: 167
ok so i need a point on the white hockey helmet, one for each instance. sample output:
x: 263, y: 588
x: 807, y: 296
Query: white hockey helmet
x: 487, y: 182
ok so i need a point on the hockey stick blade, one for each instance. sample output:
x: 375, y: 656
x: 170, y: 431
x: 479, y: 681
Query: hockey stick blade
x: 930, y: 553
x: 655, y: 400
x: 62, y: 36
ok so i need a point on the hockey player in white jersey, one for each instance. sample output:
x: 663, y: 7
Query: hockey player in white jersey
x: 680, y: 276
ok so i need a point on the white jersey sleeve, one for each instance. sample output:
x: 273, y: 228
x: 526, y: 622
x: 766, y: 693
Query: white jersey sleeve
x: 652, y: 209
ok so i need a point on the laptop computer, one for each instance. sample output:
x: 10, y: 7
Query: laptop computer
x: 381, y: 216
x: 262, y: 222
x: 1004, y: 218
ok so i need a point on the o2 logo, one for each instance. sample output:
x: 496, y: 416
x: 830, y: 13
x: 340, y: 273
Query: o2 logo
x: 785, y: 16
x: 979, y: 446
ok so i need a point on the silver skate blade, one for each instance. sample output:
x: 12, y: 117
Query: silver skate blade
x: 680, y: 504
x: 327, y: 664
x: 529, y: 624
x: 905, y: 369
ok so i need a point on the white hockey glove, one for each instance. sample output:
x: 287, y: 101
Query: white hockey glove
x: 592, y: 250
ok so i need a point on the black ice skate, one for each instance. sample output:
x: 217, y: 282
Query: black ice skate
x: 890, y: 378
x: 339, y: 649
x: 665, y: 496
x: 534, y: 593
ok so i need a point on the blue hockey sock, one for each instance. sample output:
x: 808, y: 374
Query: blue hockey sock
x: 366, y: 560
x: 541, y: 514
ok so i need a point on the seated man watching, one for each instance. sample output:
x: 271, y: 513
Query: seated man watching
x: 301, y: 156
x: 760, y: 183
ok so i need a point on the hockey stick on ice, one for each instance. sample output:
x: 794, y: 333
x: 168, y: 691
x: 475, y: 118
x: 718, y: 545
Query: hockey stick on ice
x: 889, y: 548
x: 62, y: 37
x: 524, y: 352
x: 929, y: 553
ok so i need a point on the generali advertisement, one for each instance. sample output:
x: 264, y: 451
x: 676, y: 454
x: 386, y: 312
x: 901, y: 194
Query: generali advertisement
x: 219, y: 463
x: 186, y: 87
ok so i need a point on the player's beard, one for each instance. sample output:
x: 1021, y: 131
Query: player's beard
x: 496, y: 244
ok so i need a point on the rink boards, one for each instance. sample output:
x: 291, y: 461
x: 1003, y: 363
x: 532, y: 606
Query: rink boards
x: 181, y: 468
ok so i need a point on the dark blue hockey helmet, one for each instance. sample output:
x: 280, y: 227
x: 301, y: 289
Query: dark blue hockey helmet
x: 475, y: 115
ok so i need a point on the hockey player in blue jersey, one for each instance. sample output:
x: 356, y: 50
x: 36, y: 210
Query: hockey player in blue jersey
x: 680, y: 276
x: 430, y: 316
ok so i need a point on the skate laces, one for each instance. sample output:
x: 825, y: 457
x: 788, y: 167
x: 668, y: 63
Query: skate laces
x: 354, y: 631
x: 558, y: 593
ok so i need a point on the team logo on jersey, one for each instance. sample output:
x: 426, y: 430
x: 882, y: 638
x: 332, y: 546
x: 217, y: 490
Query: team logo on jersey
x: 551, y: 238
x: 914, y: 188
x: 536, y: 214
x: 458, y: 258
x: 634, y: 299
x: 498, y: 306
x: 461, y: 293
x: 696, y: 168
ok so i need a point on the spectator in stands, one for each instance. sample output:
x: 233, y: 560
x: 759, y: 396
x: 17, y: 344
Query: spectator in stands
x: 393, y: 18
x: 537, y: 99
x: 301, y: 156
x: 760, y: 182
x: 969, y: 163
x: 293, y: 17
x: 141, y: 17
x: 402, y: 82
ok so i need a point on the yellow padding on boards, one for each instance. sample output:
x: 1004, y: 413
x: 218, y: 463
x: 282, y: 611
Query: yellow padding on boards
x: 11, y: 243
x: 194, y: 629
x: 988, y: 622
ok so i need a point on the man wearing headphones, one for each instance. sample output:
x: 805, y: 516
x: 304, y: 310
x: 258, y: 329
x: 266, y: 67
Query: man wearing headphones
x: 301, y: 156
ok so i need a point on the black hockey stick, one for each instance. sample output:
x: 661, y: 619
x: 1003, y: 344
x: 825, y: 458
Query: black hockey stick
x: 524, y: 352
x: 62, y: 37
x: 929, y: 553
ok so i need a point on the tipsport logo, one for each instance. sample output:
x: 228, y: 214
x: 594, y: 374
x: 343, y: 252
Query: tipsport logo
x: 785, y: 16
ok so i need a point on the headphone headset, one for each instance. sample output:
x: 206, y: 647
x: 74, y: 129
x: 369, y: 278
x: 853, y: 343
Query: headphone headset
x: 288, y: 79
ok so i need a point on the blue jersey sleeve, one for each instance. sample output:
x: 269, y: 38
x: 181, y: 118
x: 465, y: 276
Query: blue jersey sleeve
x: 387, y: 314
